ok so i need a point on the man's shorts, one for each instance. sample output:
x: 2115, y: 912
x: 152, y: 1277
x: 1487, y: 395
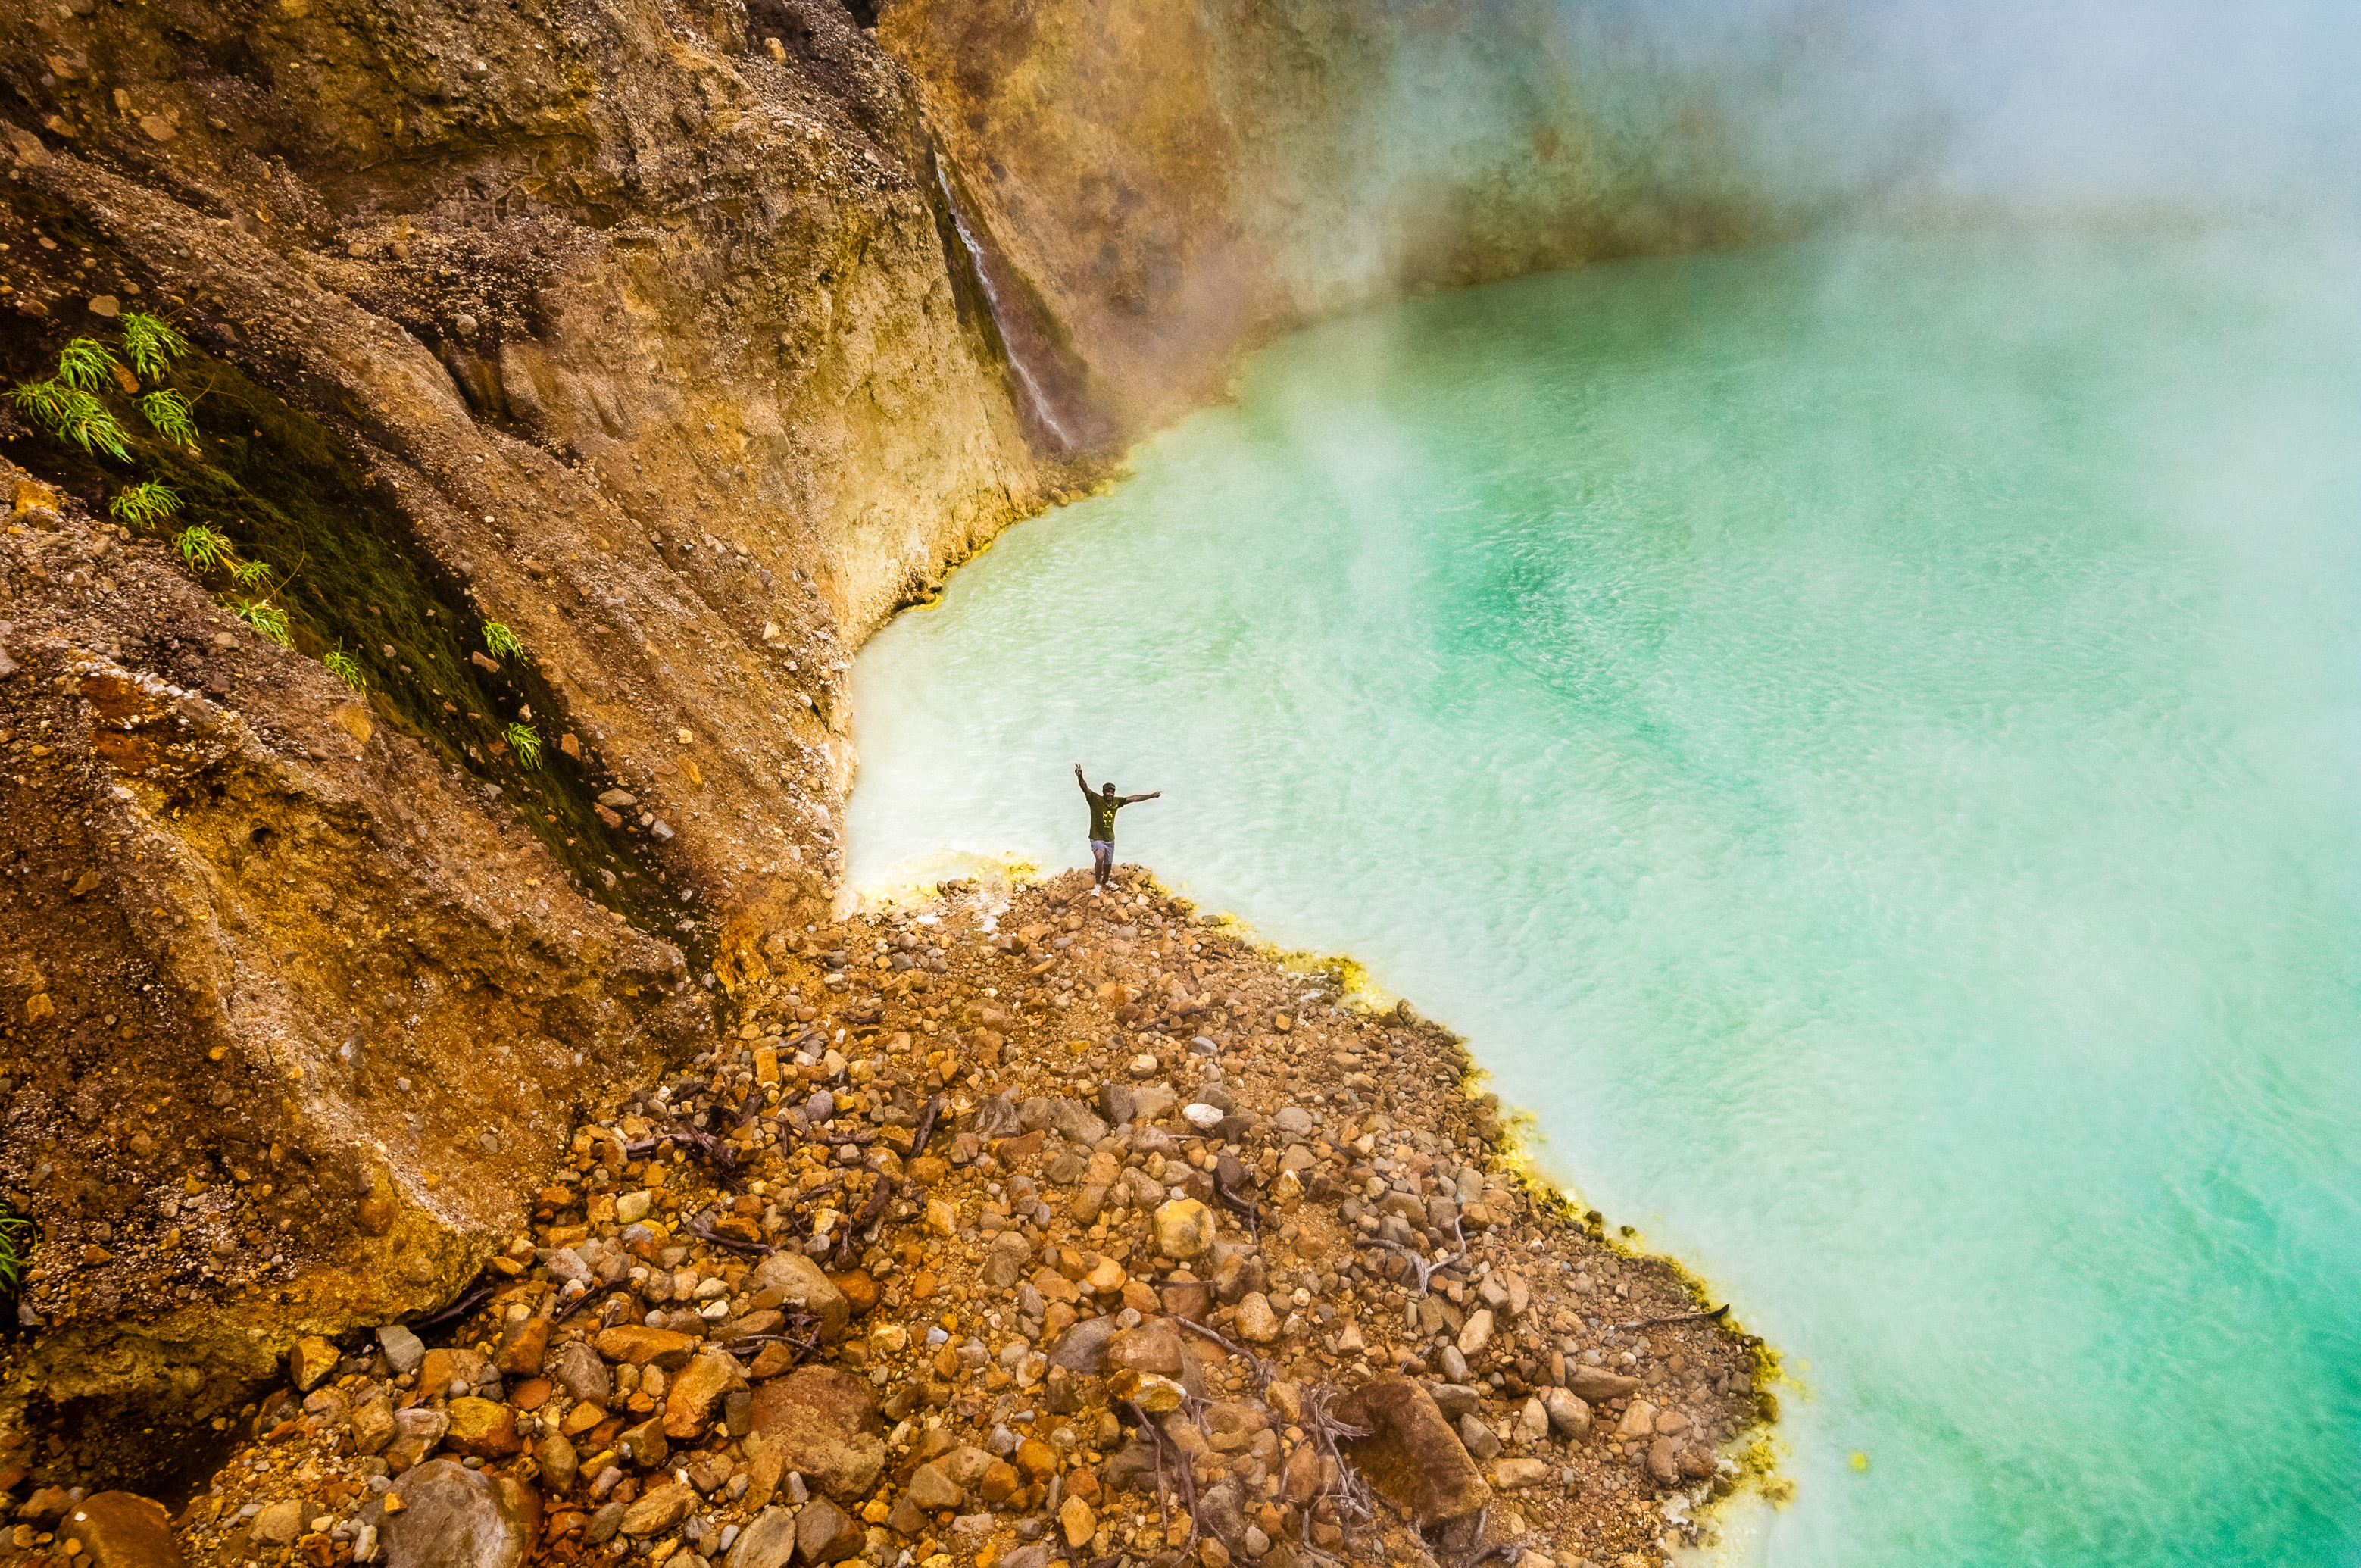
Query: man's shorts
x: 1103, y: 851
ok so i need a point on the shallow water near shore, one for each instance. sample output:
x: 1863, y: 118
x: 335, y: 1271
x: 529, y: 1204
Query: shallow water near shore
x: 1862, y: 738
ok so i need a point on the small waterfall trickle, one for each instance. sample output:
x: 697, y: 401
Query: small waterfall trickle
x: 1036, y: 399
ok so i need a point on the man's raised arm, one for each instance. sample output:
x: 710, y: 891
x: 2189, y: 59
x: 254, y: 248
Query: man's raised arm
x: 1080, y: 780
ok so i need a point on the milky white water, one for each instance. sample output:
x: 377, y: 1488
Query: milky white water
x: 1865, y: 740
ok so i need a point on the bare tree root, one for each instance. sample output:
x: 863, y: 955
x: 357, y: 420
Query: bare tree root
x: 1426, y: 1270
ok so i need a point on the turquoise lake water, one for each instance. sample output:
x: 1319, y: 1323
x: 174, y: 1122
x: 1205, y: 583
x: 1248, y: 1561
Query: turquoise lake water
x: 1865, y: 741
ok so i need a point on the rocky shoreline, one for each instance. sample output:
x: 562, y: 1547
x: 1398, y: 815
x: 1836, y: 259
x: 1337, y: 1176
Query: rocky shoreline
x: 1027, y: 1227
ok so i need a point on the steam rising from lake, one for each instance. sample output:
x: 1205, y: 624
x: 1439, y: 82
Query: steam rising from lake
x: 1849, y: 108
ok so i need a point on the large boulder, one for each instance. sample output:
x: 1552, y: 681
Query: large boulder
x: 452, y: 1516
x: 822, y: 1423
x: 1411, y: 1457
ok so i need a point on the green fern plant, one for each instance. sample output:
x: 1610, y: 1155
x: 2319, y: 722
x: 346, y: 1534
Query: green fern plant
x: 345, y: 668
x: 72, y: 413
x: 502, y: 642
x: 46, y: 403
x: 92, y: 425
x: 144, y: 504
x: 69, y: 404
x: 16, y: 1247
x: 168, y: 412
x: 266, y: 618
x: 526, y: 740
x: 207, y: 549
x: 203, y: 546
x: 86, y: 364
x: 151, y: 343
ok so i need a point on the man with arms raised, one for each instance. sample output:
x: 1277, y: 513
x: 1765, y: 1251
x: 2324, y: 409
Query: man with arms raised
x: 1103, y: 806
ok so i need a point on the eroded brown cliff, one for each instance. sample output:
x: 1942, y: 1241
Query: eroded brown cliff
x: 626, y: 327
x: 290, y: 1011
x: 1177, y: 183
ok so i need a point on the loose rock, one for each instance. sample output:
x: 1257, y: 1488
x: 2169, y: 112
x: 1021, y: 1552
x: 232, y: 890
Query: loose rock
x: 825, y: 1533
x: 455, y: 1518
x: 1411, y: 1456
x: 121, y: 1530
x: 768, y: 1542
x: 822, y: 1425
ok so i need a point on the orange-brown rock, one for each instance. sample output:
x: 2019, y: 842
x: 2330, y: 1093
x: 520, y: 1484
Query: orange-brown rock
x: 802, y: 1286
x: 1037, y: 1459
x: 120, y: 1530
x: 636, y: 1344
x: 659, y: 1510
x: 1079, y: 1522
x: 522, y: 1346
x: 1001, y: 1482
x: 771, y: 1360
x: 689, y: 1402
x: 860, y: 1291
x: 645, y: 1443
x: 1153, y: 1346
x: 824, y: 1425
x: 310, y: 1363
x: 1411, y: 1456
x: 581, y: 1418
x: 443, y: 1503
x: 482, y: 1429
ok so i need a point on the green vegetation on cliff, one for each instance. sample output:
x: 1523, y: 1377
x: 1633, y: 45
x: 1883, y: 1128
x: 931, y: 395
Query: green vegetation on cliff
x: 16, y: 1247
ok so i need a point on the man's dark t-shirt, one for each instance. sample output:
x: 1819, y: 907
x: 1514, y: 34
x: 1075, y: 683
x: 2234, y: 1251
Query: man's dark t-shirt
x: 1102, y: 810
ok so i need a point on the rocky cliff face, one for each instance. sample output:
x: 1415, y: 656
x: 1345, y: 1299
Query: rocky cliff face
x: 291, y: 1013
x: 633, y: 329
x: 590, y: 378
x: 1176, y: 183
